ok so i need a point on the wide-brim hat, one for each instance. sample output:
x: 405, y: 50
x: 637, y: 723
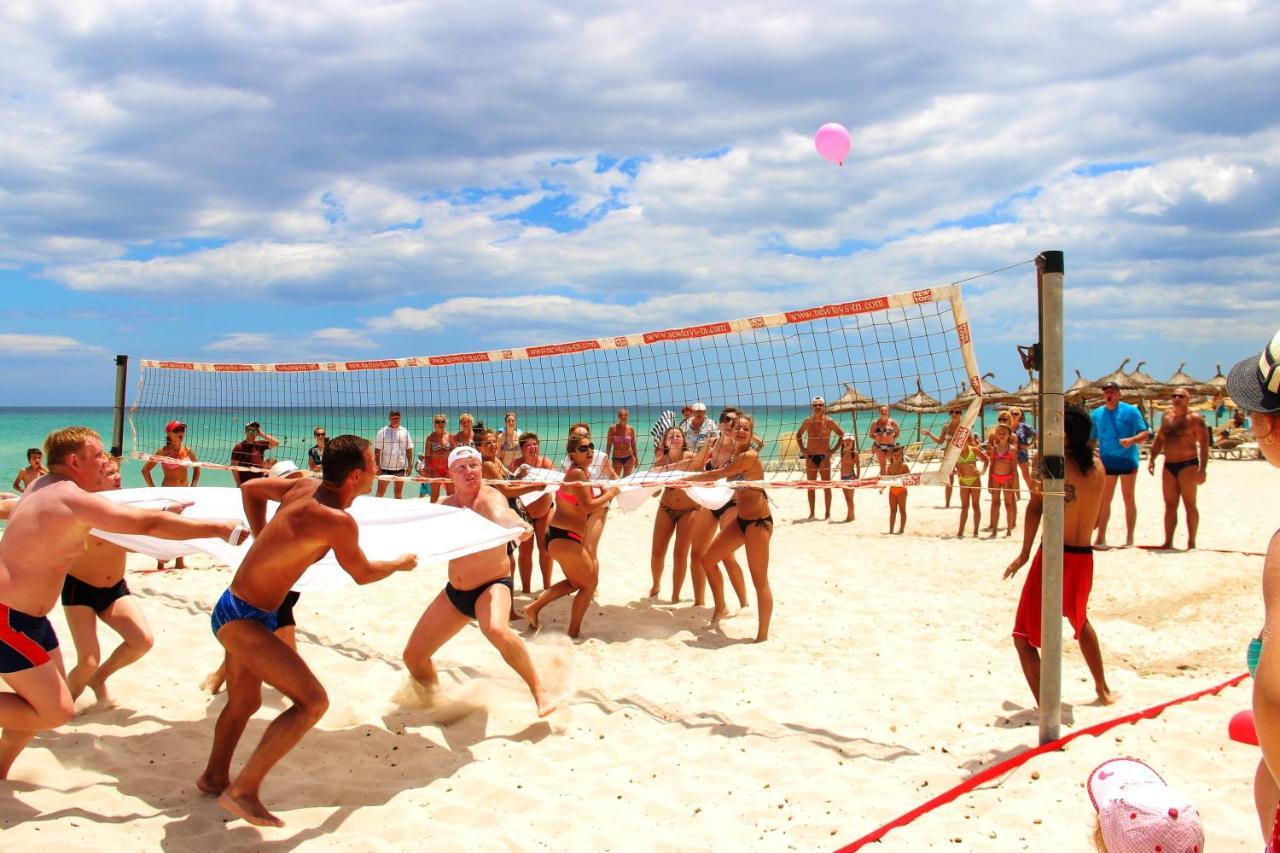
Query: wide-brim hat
x: 1254, y: 383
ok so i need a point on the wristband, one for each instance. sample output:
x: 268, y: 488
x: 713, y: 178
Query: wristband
x: 239, y: 534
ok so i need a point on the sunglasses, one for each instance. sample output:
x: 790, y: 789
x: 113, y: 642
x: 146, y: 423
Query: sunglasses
x: 179, y: 429
x: 1181, y: 397
x: 582, y: 448
x: 319, y: 435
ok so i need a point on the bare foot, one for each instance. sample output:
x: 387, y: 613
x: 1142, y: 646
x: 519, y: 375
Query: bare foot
x: 99, y: 689
x: 1101, y: 545
x: 653, y: 592
x: 717, y: 616
x: 960, y: 535
x: 1106, y: 697
x: 547, y: 705
x: 760, y: 638
x: 214, y: 681
x: 211, y: 786
x: 531, y: 616
x: 700, y: 602
x: 248, y: 807
x: 1128, y: 543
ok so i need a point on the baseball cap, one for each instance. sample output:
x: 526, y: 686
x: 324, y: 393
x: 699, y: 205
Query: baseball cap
x: 1137, y: 811
x: 284, y: 469
x: 1110, y: 386
x: 172, y: 425
x: 462, y: 452
x: 819, y: 401
x: 253, y: 424
x: 699, y: 407
x: 1254, y: 383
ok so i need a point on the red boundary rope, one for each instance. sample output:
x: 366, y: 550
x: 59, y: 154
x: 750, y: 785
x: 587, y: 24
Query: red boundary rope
x: 1018, y: 760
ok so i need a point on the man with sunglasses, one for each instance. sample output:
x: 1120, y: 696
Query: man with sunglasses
x: 1184, y: 438
x: 814, y: 440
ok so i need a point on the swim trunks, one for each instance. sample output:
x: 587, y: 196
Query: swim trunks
x: 1119, y: 467
x: 1077, y: 581
x: 232, y: 608
x: 25, y: 641
x: 1175, y: 468
x: 394, y: 472
x: 464, y: 600
x: 818, y: 458
x: 77, y: 593
x: 284, y: 613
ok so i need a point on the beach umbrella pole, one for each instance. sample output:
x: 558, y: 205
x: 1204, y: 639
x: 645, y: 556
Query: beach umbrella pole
x: 1053, y: 469
x: 117, y: 424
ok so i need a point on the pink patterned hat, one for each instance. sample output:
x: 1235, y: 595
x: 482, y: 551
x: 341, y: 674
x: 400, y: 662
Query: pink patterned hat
x: 1139, y: 813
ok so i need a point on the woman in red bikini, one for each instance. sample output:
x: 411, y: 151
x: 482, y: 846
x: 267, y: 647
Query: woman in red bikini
x: 436, y: 461
x: 1002, y: 476
x: 173, y: 473
x: 565, y: 535
x: 676, y: 511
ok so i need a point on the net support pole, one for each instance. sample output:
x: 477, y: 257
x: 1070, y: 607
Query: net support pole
x: 117, y: 424
x: 1053, y: 470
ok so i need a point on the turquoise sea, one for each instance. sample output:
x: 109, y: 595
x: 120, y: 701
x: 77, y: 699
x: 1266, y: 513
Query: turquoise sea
x: 213, y: 432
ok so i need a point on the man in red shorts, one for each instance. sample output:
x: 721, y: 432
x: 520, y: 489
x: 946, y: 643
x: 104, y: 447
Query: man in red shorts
x: 1084, y: 485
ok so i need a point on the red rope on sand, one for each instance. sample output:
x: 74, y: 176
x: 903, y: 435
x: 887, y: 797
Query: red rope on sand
x: 1018, y: 760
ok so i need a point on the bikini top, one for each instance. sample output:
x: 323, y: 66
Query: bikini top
x: 1007, y: 455
x: 622, y: 438
x: 967, y: 455
x: 508, y: 447
x: 184, y: 453
x: 882, y: 429
x: 437, y: 446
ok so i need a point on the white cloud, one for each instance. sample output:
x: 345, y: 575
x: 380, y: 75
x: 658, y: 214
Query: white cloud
x: 38, y: 346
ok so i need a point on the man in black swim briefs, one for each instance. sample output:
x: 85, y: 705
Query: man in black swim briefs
x: 479, y: 588
x: 1183, y: 437
x: 814, y: 438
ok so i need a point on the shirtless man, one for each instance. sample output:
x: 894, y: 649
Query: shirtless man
x: 1085, y: 483
x: 1184, y: 438
x: 814, y: 440
x: 883, y: 433
x: 35, y: 469
x: 95, y: 589
x: 479, y: 588
x: 45, y: 534
x: 312, y: 519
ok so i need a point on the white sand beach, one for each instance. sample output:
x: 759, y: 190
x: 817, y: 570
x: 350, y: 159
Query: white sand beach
x: 889, y: 677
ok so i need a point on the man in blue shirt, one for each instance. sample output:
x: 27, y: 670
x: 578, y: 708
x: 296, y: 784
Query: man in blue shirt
x: 1119, y: 429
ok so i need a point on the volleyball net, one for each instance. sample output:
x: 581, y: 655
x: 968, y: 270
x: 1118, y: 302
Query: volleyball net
x: 910, y: 351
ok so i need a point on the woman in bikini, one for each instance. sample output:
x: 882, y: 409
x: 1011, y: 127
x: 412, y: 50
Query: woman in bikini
x: 509, y: 451
x: 539, y: 512
x: 675, y: 516
x: 620, y: 441
x: 1002, y: 476
x: 707, y: 523
x: 850, y: 468
x: 883, y: 433
x: 315, y: 455
x: 753, y: 526
x: 969, y: 478
x: 436, y: 459
x: 566, y: 538
x: 173, y: 473
x: 897, y: 494
x: 948, y: 430
x: 465, y: 436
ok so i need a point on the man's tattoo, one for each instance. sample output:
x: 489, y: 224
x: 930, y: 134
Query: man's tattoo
x: 1070, y: 491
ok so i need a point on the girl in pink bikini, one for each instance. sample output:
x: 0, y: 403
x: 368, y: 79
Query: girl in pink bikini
x: 1002, y: 476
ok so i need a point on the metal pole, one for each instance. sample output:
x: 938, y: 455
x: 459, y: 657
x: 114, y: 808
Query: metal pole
x: 1053, y: 470
x: 117, y: 426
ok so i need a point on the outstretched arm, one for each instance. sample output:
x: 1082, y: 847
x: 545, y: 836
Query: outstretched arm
x: 344, y: 538
x: 97, y: 511
x: 1030, y: 524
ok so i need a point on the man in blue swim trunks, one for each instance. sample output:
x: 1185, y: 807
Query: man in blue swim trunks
x: 1119, y: 429
x: 46, y: 532
x: 312, y: 519
x: 479, y: 588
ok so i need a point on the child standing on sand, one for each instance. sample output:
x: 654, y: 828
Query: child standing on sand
x: 897, y: 494
x: 969, y: 479
x: 1002, y: 476
x: 850, y: 468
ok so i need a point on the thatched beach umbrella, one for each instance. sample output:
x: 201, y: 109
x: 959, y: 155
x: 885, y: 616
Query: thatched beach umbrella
x: 1148, y: 386
x: 1128, y: 388
x: 851, y: 401
x: 1182, y: 379
x: 1082, y: 389
x: 920, y: 403
x: 991, y: 395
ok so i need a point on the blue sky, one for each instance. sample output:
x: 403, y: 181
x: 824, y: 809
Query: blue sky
x: 262, y: 182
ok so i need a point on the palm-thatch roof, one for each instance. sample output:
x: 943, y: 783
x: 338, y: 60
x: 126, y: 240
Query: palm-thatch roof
x: 851, y: 401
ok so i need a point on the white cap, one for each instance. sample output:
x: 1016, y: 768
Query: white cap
x: 1138, y: 811
x: 284, y: 469
x: 462, y: 452
x: 699, y: 407
x: 817, y: 400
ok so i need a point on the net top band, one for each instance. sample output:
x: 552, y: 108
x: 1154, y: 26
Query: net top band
x: 705, y: 330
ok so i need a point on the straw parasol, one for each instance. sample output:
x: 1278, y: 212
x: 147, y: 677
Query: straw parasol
x: 1083, y: 389
x: 920, y: 403
x: 1128, y: 388
x: 1148, y: 386
x: 851, y: 401
x: 1182, y: 379
x: 991, y: 395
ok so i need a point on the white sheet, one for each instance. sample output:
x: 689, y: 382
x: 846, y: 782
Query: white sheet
x: 388, y: 528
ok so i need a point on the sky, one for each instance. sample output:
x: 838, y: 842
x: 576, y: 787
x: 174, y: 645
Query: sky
x: 268, y: 182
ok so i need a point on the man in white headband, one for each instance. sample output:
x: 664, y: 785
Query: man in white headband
x: 479, y: 588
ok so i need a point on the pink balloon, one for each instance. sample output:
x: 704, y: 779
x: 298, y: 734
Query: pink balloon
x: 833, y: 142
x: 1241, y: 728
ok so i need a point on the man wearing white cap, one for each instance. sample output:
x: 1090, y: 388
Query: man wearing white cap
x: 392, y: 450
x: 1139, y: 813
x: 814, y: 440
x: 479, y: 588
x: 697, y: 429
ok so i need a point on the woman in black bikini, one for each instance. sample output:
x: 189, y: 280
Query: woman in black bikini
x: 565, y: 538
x: 753, y: 526
x: 675, y: 516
